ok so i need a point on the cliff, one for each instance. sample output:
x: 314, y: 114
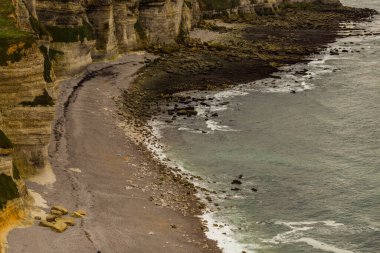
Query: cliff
x: 12, y: 190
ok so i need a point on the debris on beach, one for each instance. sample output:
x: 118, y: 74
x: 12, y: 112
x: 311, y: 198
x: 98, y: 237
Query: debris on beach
x: 57, y: 222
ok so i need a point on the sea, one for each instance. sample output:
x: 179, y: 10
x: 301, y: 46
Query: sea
x: 305, y: 146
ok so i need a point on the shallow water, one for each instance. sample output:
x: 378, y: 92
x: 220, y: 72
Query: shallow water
x: 313, y: 156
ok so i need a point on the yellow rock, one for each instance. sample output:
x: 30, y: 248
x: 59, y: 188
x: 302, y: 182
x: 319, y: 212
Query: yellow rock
x: 78, y: 214
x: 59, y: 226
x: 60, y: 209
x: 51, y: 218
x: 56, y: 213
x: 68, y: 220
x: 45, y: 223
x: 81, y: 212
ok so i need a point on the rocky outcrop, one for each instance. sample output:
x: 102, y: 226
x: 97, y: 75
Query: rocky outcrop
x: 249, y: 8
x: 26, y: 109
x: 13, y: 193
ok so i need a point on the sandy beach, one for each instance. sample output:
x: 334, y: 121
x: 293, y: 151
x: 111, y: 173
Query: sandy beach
x: 99, y: 169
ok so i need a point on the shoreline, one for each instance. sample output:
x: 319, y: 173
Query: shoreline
x: 120, y: 187
x: 92, y: 239
x: 184, y: 97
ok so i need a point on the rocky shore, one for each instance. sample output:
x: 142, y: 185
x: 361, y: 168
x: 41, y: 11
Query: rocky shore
x: 132, y: 203
x: 226, y: 52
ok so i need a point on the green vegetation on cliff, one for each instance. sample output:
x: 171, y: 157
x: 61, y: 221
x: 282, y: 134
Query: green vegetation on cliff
x: 71, y: 34
x: 13, y: 41
x: 38, y: 27
x: 4, y: 141
x: 8, y: 190
x: 49, y: 56
x: 218, y: 5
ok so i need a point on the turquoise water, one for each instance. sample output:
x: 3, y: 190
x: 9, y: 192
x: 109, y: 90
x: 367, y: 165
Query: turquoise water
x: 313, y: 156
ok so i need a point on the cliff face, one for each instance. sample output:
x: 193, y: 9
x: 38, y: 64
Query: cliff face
x: 12, y: 190
x: 243, y: 8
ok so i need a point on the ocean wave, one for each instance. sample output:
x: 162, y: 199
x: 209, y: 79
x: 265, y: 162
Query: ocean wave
x: 222, y: 234
x: 214, y: 126
x: 297, y: 232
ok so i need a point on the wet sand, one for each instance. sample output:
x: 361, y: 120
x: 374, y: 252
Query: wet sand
x: 100, y: 170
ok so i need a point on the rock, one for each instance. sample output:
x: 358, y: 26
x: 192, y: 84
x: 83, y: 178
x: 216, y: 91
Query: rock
x: 181, y: 112
x: 51, y: 218
x: 45, y: 223
x: 56, y: 213
x: 82, y: 212
x: 173, y: 226
x: 60, y: 209
x: 76, y: 215
x: 236, y: 181
x: 235, y: 189
x: 59, y: 226
x: 37, y: 218
x: 68, y: 220
x: 240, y: 176
x: 254, y: 189
x: 214, y: 115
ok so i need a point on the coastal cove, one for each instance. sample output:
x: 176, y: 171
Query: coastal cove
x: 309, y: 160
x: 189, y: 126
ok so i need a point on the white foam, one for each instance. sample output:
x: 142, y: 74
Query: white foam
x: 297, y: 231
x: 195, y: 131
x: 230, y: 93
x: 222, y: 235
x: 214, y: 126
x: 323, y: 246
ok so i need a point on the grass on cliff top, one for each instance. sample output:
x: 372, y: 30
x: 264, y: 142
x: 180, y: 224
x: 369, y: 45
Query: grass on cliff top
x: 12, y: 39
x: 8, y: 190
x: 4, y: 141
x: 8, y: 29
